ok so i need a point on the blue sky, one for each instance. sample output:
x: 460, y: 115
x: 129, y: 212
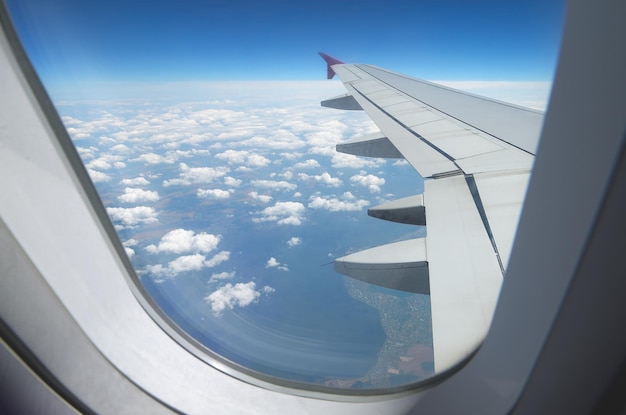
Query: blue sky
x: 74, y: 40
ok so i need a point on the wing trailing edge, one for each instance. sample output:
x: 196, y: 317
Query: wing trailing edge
x: 371, y: 145
x: 398, y: 265
x: 342, y: 102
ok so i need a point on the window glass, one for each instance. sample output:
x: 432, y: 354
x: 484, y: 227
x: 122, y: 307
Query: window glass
x: 202, y: 132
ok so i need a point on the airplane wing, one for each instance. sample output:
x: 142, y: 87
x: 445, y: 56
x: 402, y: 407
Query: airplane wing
x: 476, y: 156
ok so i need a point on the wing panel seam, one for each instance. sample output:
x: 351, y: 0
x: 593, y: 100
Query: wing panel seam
x: 473, y: 188
x: 443, y: 112
x: 424, y: 140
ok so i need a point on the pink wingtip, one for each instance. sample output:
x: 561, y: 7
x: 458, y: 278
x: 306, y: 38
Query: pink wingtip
x: 330, y: 61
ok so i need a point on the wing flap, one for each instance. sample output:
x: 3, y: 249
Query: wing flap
x: 398, y: 265
x: 502, y: 195
x: 409, y: 210
x: 371, y: 145
x: 342, y: 102
x: 465, y: 276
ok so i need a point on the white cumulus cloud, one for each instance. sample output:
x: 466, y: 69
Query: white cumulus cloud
x: 308, y: 164
x: 230, y: 296
x: 324, y: 178
x: 294, y: 241
x: 182, y: 240
x: 370, y: 181
x: 217, y: 259
x: 231, y: 181
x: 137, y: 181
x: 333, y: 204
x: 98, y: 176
x: 131, y: 217
x: 283, y: 213
x: 196, y: 175
x: 273, y: 184
x: 153, y: 158
x: 134, y: 195
x: 186, y: 263
x: 222, y: 276
x: 260, y: 198
x: 272, y: 262
x: 213, y: 193
x: 342, y: 161
x: 243, y: 157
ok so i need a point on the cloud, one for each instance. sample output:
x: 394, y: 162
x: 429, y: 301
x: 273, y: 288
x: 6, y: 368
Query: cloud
x: 210, y: 115
x: 196, y: 175
x: 99, y: 163
x: 324, y: 178
x: 243, y: 157
x: 272, y: 184
x: 120, y: 148
x: 222, y: 276
x: 308, y: 164
x: 294, y: 241
x: 131, y: 217
x: 370, y: 181
x: 333, y: 204
x: 401, y: 162
x: 342, y: 161
x: 86, y: 153
x: 152, y: 158
x: 130, y: 242
x: 182, y: 240
x: 272, y: 263
x: 230, y: 296
x: 213, y: 193
x: 279, y: 140
x: 326, y: 134
x: 137, y: 181
x: 283, y: 213
x: 98, y: 176
x: 260, y: 198
x: 231, y: 181
x: 186, y: 263
x: 127, y: 247
x: 291, y: 156
x: 133, y: 195
x: 217, y: 259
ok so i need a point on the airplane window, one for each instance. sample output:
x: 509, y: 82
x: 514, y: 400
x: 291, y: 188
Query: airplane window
x: 202, y: 131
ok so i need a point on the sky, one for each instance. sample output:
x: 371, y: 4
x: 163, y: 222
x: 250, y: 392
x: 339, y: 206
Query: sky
x: 163, y: 41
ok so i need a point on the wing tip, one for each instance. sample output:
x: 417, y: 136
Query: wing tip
x: 330, y: 61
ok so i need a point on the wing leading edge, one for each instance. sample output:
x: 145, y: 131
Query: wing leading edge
x: 476, y: 156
